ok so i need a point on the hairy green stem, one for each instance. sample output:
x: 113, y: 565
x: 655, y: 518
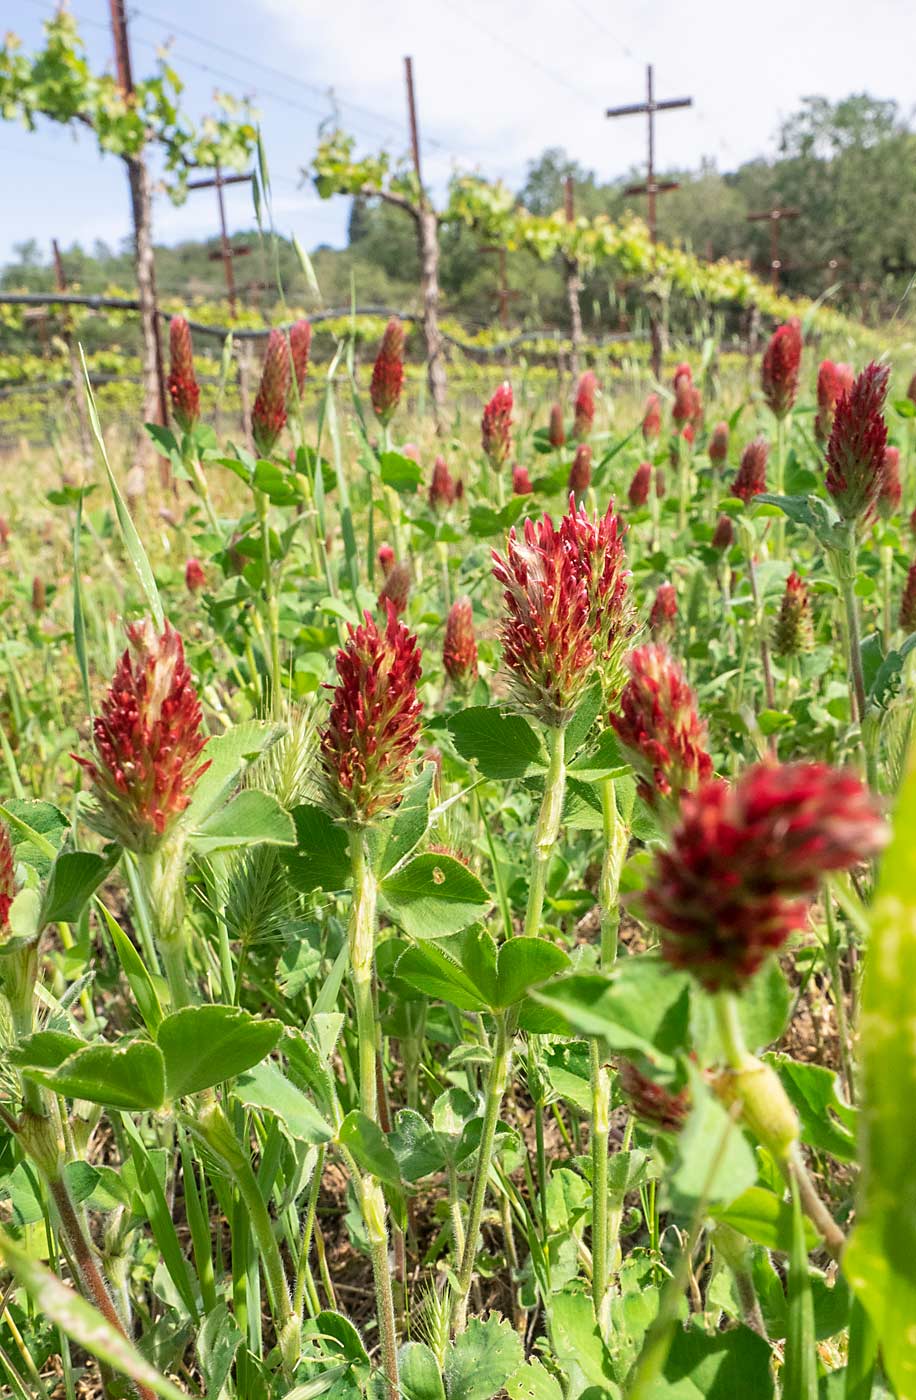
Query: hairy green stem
x: 496, y: 1087
x: 272, y: 608
x: 547, y: 830
x: 779, y: 533
x: 304, y: 1280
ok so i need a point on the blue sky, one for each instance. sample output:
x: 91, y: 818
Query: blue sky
x: 498, y: 80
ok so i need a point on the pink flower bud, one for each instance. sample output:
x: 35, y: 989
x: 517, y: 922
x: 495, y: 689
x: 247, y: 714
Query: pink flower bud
x: 684, y: 405
x: 521, y: 481
x: 147, y: 741
x: 723, y: 536
x: 268, y: 417
x: 580, y: 473
x: 300, y: 341
x: 373, y: 726
x: 793, y: 632
x: 184, y: 391
x: 385, y: 558
x: 718, y: 445
x: 638, y: 493
x: 664, y: 612
x: 388, y: 372
x: 585, y: 406
x: 442, y: 486
x: 855, y: 452
x: 751, y: 477
x: 745, y: 861
x: 556, y: 432
x: 194, y: 576
x: 832, y: 381
x: 891, y: 493
x: 780, y: 367
x: 496, y: 427
x: 654, y: 1105
x: 652, y: 419
x: 396, y: 588
x: 459, y: 651
x: 660, y: 728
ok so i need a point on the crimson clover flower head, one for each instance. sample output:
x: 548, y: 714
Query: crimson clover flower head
x: 855, y: 451
x: 654, y: 1105
x: 366, y: 747
x: 744, y: 863
x: 652, y: 418
x: 268, y: 417
x: 891, y: 494
x: 723, y: 536
x: 442, y: 486
x: 718, y: 445
x: 194, y: 576
x: 908, y: 601
x: 300, y: 342
x: 388, y: 372
x: 780, y: 367
x: 580, y: 473
x: 521, y: 481
x: 793, y: 631
x: 147, y: 740
x: 396, y: 588
x: 7, y: 881
x: 685, y: 399
x: 184, y: 390
x: 459, y: 650
x: 751, y: 476
x: 496, y: 426
x: 640, y: 486
x: 566, y: 609
x: 584, y: 420
x: 385, y: 558
x: 658, y: 724
x: 832, y: 381
x: 664, y: 612
x: 556, y: 433
x: 683, y: 373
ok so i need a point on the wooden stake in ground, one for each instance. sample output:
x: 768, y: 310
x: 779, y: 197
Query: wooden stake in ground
x: 652, y: 188
x: 573, y: 283
x: 776, y: 218
x: 427, y: 221
x: 155, y: 398
x: 76, y: 369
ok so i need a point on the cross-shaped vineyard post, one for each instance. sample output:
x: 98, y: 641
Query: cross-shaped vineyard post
x: 218, y: 182
x: 653, y: 187
x: 776, y: 217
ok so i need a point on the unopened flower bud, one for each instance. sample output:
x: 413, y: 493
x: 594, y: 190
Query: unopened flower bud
x: 300, y: 341
x: 268, y: 417
x: 585, y: 406
x: 396, y: 588
x: 652, y: 419
x: 580, y: 473
x: 640, y: 486
x: 718, y: 445
x: 780, y: 367
x: 664, y: 612
x: 442, y: 486
x: 658, y: 724
x: 793, y: 632
x: 723, y: 536
x: 832, y: 381
x: 385, y: 558
x: 194, y: 576
x: 855, y: 452
x: 653, y: 1104
x: 459, y: 651
x: 556, y: 433
x: 751, y: 477
x: 521, y: 481
x: 388, y: 372
x: 184, y: 391
x: 496, y: 427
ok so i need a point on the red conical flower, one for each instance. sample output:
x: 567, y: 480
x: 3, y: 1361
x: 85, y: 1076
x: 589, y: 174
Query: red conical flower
x: 793, y: 631
x: 459, y: 650
x: 654, y: 1105
x: 832, y: 381
x: 194, y: 576
x: 147, y: 741
x: 659, y: 726
x: 580, y: 473
x: 780, y: 367
x: 891, y: 493
x: 652, y: 418
x: 685, y: 400
x: 496, y: 427
x: 908, y: 602
x: 442, y: 486
x: 373, y: 726
x: 723, y: 536
x: 718, y: 445
x: 744, y: 863
x: 638, y: 493
x: 855, y: 452
x: 300, y: 341
x: 268, y: 417
x: 7, y: 880
x: 664, y: 612
x: 385, y: 558
x: 556, y: 433
x: 751, y: 477
x: 566, y: 609
x: 184, y: 390
x: 396, y: 588
x: 585, y: 406
x: 521, y: 481
x: 388, y: 372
